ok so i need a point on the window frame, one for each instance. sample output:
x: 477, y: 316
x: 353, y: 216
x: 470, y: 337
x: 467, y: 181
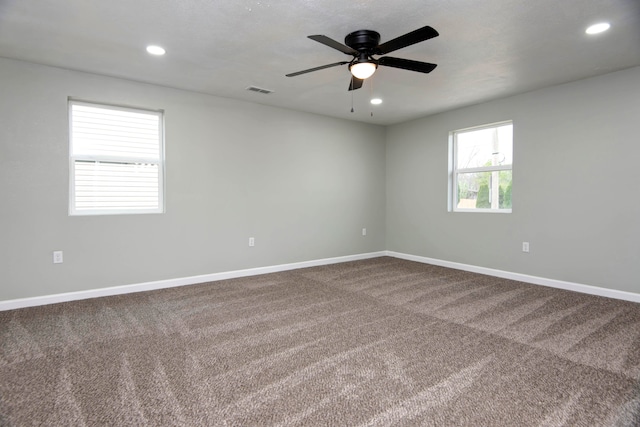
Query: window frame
x: 454, y: 171
x: 73, y: 158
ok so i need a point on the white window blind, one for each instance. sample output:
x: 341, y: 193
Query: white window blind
x: 116, y: 160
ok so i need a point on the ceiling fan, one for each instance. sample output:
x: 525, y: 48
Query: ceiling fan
x: 364, y: 44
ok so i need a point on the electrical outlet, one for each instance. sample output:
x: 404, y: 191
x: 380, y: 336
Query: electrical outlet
x: 525, y: 246
x: 57, y: 257
x: 252, y: 241
x: 364, y: 231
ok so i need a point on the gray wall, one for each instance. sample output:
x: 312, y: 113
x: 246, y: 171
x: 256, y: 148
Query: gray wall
x: 575, y: 186
x: 303, y: 185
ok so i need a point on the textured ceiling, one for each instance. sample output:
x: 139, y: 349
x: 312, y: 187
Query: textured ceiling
x: 486, y: 49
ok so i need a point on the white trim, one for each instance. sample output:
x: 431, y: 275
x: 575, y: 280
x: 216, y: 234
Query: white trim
x: 569, y: 286
x: 484, y: 126
x: 170, y: 283
x: 481, y: 210
x: 485, y: 169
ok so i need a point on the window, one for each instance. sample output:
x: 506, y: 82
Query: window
x: 116, y: 160
x: 481, y: 161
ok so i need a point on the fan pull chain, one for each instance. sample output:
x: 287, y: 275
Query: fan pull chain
x: 371, y: 94
x: 352, y: 82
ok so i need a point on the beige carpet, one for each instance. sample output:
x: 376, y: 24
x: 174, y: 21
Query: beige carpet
x: 369, y: 343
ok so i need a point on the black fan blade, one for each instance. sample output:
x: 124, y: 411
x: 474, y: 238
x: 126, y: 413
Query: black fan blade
x: 322, y: 67
x: 407, y: 64
x: 334, y: 44
x: 417, y: 36
x: 356, y: 83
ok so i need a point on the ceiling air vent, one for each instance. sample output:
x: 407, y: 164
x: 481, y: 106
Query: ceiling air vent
x: 259, y: 90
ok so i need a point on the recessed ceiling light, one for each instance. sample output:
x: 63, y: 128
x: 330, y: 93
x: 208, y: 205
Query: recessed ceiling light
x: 155, y: 50
x: 376, y: 101
x: 598, y: 28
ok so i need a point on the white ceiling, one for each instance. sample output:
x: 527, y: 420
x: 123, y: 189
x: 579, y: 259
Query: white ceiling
x: 486, y: 49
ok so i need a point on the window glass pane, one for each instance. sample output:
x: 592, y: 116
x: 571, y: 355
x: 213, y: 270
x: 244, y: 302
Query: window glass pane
x: 484, y: 190
x: 485, y: 147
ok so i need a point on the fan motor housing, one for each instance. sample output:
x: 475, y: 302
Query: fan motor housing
x: 362, y: 39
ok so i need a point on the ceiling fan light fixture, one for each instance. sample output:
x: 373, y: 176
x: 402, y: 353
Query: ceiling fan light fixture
x: 363, y: 70
x: 364, y: 45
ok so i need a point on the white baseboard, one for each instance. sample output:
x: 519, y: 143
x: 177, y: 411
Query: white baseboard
x: 570, y: 286
x: 161, y: 284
